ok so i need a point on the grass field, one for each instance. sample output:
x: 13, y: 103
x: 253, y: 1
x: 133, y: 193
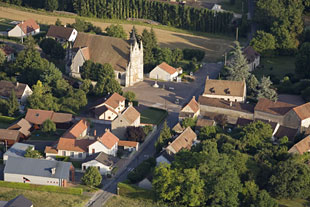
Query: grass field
x: 39, y: 135
x: 152, y: 115
x: 213, y: 45
x: 42, y: 199
x: 293, y: 203
x: 280, y: 66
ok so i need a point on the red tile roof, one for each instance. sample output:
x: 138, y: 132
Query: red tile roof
x: 224, y: 87
x: 76, y: 130
x: 193, y: 104
x: 38, y: 116
x: 123, y: 143
x: 108, y: 139
x: 303, y: 111
x: 76, y: 145
x: 169, y: 69
x: 28, y: 26
x: 114, y: 100
x: 49, y: 149
x: 301, y: 147
x: 184, y: 140
x: 272, y: 107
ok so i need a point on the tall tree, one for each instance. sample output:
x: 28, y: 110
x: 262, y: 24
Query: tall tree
x: 264, y: 43
x: 164, y: 137
x: 13, y: 105
x: 92, y: 177
x: 116, y: 31
x: 265, y: 90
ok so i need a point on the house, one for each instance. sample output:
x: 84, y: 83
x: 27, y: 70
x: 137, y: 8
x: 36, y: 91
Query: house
x: 9, y: 137
x: 130, y: 117
x: 164, y: 157
x: 252, y: 57
x: 38, y: 171
x: 203, y: 121
x: 25, y: 28
x: 213, y: 7
x: 37, y: 117
x: 273, y: 111
x: 107, y: 143
x: 19, y: 201
x: 190, y: 110
x: 125, y: 56
x: 298, y: 117
x: 178, y: 128
x: 282, y: 131
x: 23, y: 126
x: 234, y: 91
x: 129, y: 145
x: 109, y: 109
x: 62, y: 34
x: 102, y: 161
x: 8, y: 52
x: 78, y: 130
x: 183, y: 141
x: 164, y: 72
x: 22, y: 91
x: 301, y: 147
x: 17, y: 150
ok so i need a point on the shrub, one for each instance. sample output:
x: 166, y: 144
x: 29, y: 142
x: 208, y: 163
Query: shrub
x: 189, y: 54
x: 135, y: 134
x: 92, y: 177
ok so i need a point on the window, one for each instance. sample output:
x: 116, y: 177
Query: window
x: 98, y: 168
x: 109, y: 117
x: 93, y: 151
x: 64, y: 153
x: 71, y: 154
x: 84, y: 167
x: 80, y: 154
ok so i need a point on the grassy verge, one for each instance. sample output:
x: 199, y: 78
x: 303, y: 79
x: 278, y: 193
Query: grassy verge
x: 153, y: 115
x: 44, y: 198
x: 42, y: 136
x: 42, y: 188
x: 293, y: 203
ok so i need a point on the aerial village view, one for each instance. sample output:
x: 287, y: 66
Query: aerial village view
x: 154, y: 103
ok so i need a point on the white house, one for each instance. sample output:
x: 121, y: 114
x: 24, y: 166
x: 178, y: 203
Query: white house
x: 233, y: 91
x: 164, y: 72
x: 62, y: 34
x: 17, y: 150
x: 252, y: 57
x: 102, y: 161
x: 25, y: 28
x: 190, y: 110
x: 22, y: 91
x: 213, y: 6
x: 107, y: 143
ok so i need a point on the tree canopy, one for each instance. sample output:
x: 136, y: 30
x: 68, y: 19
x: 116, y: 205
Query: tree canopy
x: 92, y: 177
x: 116, y: 31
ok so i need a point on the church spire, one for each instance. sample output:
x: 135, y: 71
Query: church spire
x: 133, y: 38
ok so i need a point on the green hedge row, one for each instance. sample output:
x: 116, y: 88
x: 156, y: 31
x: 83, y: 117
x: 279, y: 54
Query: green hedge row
x: 45, y: 188
x: 7, y: 119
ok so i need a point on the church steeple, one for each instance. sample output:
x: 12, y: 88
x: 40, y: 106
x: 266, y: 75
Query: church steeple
x: 133, y: 38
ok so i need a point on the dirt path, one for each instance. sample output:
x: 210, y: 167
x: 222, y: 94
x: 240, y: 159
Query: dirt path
x: 213, y: 47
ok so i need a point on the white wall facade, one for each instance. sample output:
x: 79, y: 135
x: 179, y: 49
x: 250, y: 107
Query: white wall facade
x: 71, y: 154
x: 16, y: 32
x: 19, y: 178
x: 161, y: 74
x: 108, y: 115
x: 99, y: 147
x: 226, y: 98
x: 73, y: 36
x: 305, y: 123
x: 103, y: 169
x: 26, y: 94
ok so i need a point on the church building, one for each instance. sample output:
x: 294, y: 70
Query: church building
x: 125, y: 56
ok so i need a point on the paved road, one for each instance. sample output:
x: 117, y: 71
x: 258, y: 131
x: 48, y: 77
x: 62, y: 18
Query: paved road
x: 147, y: 149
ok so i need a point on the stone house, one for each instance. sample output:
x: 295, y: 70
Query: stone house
x: 301, y: 147
x: 125, y: 56
x: 22, y: 91
x: 25, y: 28
x: 130, y: 117
x: 190, y: 110
x: 103, y: 162
x: 252, y: 57
x: 298, y: 117
x: 62, y: 34
x: 234, y: 91
x: 164, y: 72
x: 107, y: 143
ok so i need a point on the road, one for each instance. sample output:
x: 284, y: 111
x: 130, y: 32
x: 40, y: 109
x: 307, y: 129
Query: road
x: 147, y: 149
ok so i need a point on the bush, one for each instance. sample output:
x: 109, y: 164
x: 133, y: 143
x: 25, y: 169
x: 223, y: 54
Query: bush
x: 142, y: 170
x: 189, y: 54
x: 92, y: 177
x: 135, y: 134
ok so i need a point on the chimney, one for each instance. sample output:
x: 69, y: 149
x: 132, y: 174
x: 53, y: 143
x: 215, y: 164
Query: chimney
x: 53, y: 170
x: 95, y: 133
x: 230, y: 103
x: 207, y: 77
x: 65, y: 25
x: 130, y: 103
x: 107, y: 130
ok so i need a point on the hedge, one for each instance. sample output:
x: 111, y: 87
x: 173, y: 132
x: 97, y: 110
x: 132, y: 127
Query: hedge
x: 7, y: 119
x: 43, y: 188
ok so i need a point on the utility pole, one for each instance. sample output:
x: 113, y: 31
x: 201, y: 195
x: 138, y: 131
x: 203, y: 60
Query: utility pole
x: 237, y: 31
x: 225, y: 58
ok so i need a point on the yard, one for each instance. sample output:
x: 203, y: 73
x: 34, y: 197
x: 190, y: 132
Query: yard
x: 153, y: 115
x: 5, y: 25
x: 44, y: 198
x: 4, y: 125
x: 42, y: 136
x: 293, y: 203
x: 277, y: 66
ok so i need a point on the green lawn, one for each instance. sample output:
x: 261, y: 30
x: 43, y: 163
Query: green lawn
x: 5, y: 24
x: 293, y: 203
x: 278, y: 66
x: 153, y: 116
x: 42, y: 136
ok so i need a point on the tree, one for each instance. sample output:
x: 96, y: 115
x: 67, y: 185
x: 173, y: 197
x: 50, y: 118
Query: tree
x: 189, y: 122
x: 4, y: 107
x: 302, y: 62
x: 86, y: 86
x: 13, y: 105
x: 265, y: 90
x: 53, y: 48
x: 48, y: 126
x: 2, y: 57
x: 164, y: 137
x: 51, y: 5
x: 207, y: 132
x: 237, y: 68
x: 116, y: 31
x: 305, y: 94
x: 252, y: 84
x: 264, y: 43
x: 221, y: 119
x: 130, y: 96
x: 32, y: 153
x: 92, y: 177
x: 58, y: 22
x: 135, y: 134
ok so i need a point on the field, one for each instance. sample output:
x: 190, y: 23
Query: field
x: 293, y: 203
x: 213, y: 45
x: 152, y: 115
x: 42, y: 199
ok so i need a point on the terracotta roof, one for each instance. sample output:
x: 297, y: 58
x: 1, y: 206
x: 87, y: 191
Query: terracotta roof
x: 103, y: 158
x: 131, y: 114
x: 301, y: 147
x: 28, y: 26
x: 202, y: 122
x: 250, y: 54
x: 103, y: 49
x: 85, y: 52
x: 184, y: 140
x: 193, y: 105
x: 108, y: 139
x: 76, y: 130
x: 38, y: 116
x: 286, y: 131
x: 114, y: 100
x: 101, y: 109
x: 224, y: 87
x: 49, y: 149
x: 23, y: 126
x: 277, y: 108
x: 9, y: 134
x: 178, y: 128
x: 236, y: 106
x: 169, y: 69
x: 6, y: 88
x: 6, y: 49
x: 123, y: 143
x: 61, y: 117
x: 59, y: 32
x: 76, y: 145
x: 303, y: 111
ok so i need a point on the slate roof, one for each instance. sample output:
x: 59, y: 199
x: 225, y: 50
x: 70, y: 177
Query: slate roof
x: 59, y: 32
x: 250, y: 54
x: 28, y: 26
x: 169, y: 69
x: 301, y: 147
x: 131, y: 114
x: 19, y: 201
x: 18, y: 149
x: 276, y: 108
x: 104, y: 49
x: 102, y: 158
x: 108, y: 139
x: 37, y: 167
x: 6, y: 88
x: 303, y: 111
x: 184, y: 140
x: 224, y: 87
x: 286, y: 131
